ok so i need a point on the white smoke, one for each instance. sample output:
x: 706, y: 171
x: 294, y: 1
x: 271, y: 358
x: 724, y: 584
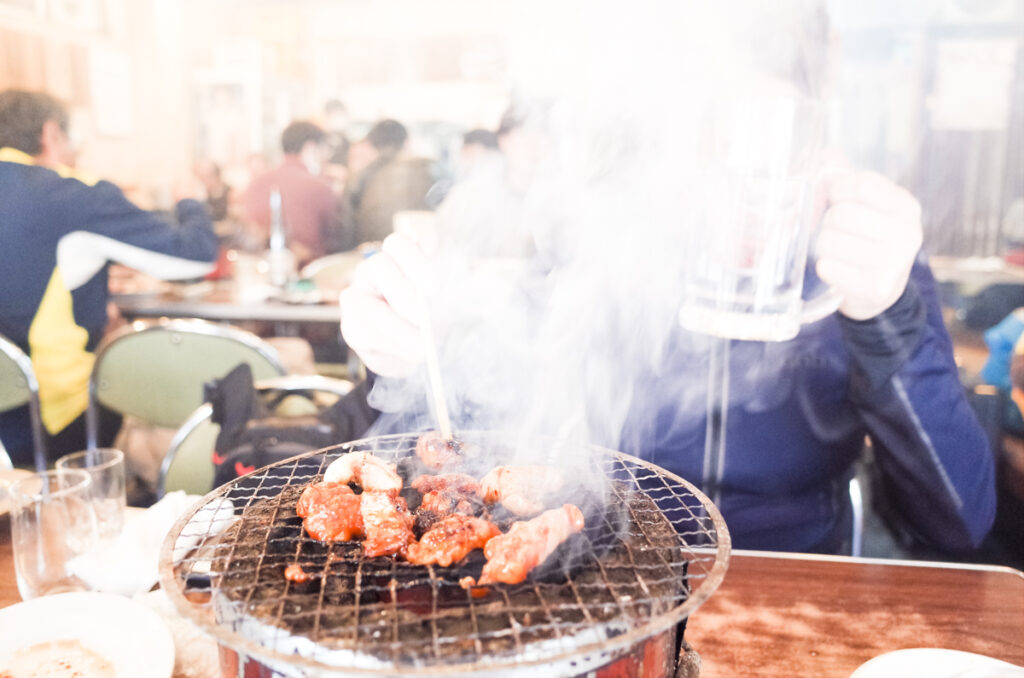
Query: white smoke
x: 613, y: 95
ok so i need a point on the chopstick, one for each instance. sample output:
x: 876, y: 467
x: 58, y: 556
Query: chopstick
x: 434, y: 371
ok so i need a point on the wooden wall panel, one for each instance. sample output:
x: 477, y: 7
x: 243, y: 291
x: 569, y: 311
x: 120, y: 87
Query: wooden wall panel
x: 22, y: 60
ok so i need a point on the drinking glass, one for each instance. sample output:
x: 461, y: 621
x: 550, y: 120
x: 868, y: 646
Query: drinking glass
x: 53, y: 527
x: 105, y: 467
x: 754, y: 216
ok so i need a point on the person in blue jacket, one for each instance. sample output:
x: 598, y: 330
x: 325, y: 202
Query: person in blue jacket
x: 880, y: 368
x: 59, y: 231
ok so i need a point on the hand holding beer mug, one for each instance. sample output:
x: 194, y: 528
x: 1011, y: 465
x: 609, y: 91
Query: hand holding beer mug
x: 747, y: 246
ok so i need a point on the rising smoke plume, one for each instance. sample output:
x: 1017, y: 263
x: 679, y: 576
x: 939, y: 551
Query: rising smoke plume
x: 611, y: 97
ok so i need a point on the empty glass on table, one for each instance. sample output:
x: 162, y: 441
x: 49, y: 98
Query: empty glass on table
x: 53, y: 528
x: 105, y: 467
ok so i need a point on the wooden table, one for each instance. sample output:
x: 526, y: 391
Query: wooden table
x: 797, y: 615
x: 793, y: 615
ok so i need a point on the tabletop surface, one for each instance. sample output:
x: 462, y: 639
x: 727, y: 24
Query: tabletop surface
x: 220, y: 303
x: 794, y: 615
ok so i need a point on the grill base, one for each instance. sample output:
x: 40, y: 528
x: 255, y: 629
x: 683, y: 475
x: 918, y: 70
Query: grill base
x: 653, y: 658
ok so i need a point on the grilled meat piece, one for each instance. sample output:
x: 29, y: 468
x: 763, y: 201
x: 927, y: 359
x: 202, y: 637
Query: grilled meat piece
x: 294, y: 573
x: 387, y: 524
x: 450, y: 540
x: 454, y: 482
x: 447, y: 494
x: 442, y: 504
x: 330, y: 512
x: 366, y: 470
x: 521, y: 489
x: 511, y: 556
x: 437, y: 452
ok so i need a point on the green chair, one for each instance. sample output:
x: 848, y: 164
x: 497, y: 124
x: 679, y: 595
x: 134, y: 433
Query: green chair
x: 155, y: 371
x: 188, y: 464
x: 18, y: 387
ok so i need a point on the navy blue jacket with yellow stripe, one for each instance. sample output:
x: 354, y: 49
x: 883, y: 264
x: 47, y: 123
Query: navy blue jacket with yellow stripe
x: 58, y: 235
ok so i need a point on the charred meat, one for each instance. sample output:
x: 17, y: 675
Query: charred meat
x: 387, y: 524
x: 450, y: 482
x: 294, y: 573
x: 446, y: 494
x: 451, y: 539
x: 521, y: 489
x: 438, y: 452
x: 366, y: 470
x: 511, y: 556
x: 330, y: 512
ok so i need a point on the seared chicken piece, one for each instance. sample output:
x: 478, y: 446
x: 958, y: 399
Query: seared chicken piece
x: 366, y: 470
x: 436, y: 451
x: 457, y: 482
x: 387, y: 523
x: 442, y: 504
x: 446, y: 494
x: 511, y: 556
x: 521, y: 489
x: 330, y: 512
x: 450, y: 540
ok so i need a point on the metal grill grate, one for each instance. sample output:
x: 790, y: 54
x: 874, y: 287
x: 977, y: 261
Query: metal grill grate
x: 654, y: 548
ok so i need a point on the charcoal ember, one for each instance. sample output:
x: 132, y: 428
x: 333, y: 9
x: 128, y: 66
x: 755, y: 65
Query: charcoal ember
x: 410, y: 468
x: 413, y: 497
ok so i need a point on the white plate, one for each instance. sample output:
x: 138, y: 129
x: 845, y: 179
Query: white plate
x: 936, y: 663
x: 7, y: 477
x: 127, y: 634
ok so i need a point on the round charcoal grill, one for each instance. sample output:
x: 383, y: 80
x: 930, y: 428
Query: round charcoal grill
x: 653, y: 549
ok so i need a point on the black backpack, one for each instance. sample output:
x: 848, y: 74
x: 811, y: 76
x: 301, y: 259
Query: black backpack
x: 252, y: 436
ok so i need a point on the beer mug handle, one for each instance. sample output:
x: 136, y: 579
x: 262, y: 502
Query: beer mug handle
x: 818, y: 307
x: 827, y: 302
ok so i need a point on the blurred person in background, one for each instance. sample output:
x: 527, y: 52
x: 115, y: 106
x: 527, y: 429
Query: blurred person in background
x: 391, y: 182
x: 60, y: 232
x: 497, y: 165
x: 308, y: 203
x: 478, y: 145
x: 335, y: 125
x: 218, y: 191
x: 881, y: 367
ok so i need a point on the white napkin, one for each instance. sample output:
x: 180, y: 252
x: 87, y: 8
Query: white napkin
x: 195, y: 652
x: 130, y: 564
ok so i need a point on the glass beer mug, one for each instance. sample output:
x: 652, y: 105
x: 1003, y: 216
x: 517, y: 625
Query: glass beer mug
x: 746, y: 247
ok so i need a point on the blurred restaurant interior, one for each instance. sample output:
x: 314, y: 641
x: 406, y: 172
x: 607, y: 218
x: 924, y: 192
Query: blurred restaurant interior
x: 171, y: 99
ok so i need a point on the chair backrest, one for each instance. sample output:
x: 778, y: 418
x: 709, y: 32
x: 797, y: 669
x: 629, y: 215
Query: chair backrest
x: 188, y: 464
x: 156, y: 371
x: 18, y: 386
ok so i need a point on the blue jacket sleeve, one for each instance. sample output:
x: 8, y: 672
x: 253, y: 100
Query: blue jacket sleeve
x: 99, y: 224
x: 936, y: 461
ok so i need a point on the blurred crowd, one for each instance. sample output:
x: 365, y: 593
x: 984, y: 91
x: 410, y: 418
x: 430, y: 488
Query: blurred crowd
x: 340, y: 194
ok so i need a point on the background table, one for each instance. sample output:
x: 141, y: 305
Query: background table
x: 220, y: 305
